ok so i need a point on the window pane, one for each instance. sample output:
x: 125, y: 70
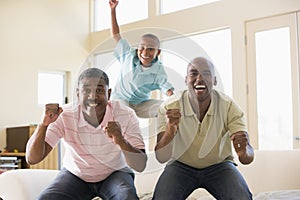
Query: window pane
x: 168, y: 6
x: 274, y: 91
x: 51, y: 88
x: 108, y: 63
x: 126, y: 12
x: 216, y: 45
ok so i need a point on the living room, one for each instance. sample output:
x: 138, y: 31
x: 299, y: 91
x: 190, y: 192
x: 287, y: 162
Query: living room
x: 51, y: 36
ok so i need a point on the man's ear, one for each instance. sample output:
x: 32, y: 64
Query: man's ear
x: 77, y: 93
x: 215, y: 81
x: 108, y: 93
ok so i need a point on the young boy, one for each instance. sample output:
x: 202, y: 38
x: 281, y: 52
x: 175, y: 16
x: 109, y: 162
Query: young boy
x: 141, y: 71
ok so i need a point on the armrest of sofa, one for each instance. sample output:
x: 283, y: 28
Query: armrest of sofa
x: 24, y: 184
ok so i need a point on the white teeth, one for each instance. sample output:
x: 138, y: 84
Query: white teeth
x: 200, y: 87
x: 145, y: 56
x: 92, y: 104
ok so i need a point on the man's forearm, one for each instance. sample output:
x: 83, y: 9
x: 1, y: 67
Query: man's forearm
x: 164, y: 146
x: 35, y: 148
x: 135, y: 158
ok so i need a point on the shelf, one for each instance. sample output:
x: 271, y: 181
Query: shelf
x: 9, y: 158
x: 16, y: 139
x: 20, y: 154
x: 8, y: 166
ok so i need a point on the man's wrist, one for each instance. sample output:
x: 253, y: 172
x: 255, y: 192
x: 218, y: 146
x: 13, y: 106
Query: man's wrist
x: 42, y: 125
x: 123, y: 144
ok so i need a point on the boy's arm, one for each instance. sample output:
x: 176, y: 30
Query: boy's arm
x: 162, y: 79
x: 166, y: 87
x: 115, y: 30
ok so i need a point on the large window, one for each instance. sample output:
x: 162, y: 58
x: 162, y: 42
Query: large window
x: 176, y: 54
x: 168, y: 6
x: 215, y: 45
x: 127, y: 11
x: 274, y: 82
x: 274, y: 125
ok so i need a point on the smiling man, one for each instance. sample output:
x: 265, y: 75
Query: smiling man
x: 196, y: 130
x: 103, y: 142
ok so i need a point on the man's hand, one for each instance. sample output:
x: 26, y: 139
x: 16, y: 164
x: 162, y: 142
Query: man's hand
x: 173, y: 118
x: 135, y: 158
x: 242, y: 147
x: 52, y: 111
x: 114, y: 131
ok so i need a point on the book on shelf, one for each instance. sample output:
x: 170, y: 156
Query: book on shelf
x: 9, y: 163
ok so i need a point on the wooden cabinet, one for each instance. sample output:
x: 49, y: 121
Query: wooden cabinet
x: 16, y: 140
x: 17, y: 137
x: 50, y: 162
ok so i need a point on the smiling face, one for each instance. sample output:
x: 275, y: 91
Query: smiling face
x: 148, y: 49
x: 93, y: 95
x: 200, y: 79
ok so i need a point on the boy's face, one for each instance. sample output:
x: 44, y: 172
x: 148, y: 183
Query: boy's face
x: 147, y: 51
x: 93, y: 95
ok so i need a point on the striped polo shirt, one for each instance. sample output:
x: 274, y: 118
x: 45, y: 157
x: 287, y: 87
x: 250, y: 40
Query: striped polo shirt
x: 89, y: 153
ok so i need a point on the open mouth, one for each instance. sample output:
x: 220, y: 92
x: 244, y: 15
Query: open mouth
x: 200, y: 87
x: 92, y: 104
x: 144, y: 57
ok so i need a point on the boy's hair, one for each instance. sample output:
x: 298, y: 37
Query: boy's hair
x: 94, y: 73
x: 152, y: 36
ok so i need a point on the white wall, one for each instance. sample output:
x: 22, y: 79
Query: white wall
x: 37, y: 35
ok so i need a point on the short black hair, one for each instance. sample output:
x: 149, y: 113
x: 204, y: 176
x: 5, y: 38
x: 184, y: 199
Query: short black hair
x: 94, y: 73
x: 152, y: 36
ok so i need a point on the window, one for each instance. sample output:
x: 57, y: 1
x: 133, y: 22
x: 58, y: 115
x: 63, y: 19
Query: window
x: 51, y: 87
x: 274, y: 125
x: 216, y: 45
x: 127, y: 11
x: 273, y: 82
x: 111, y: 66
x: 176, y: 54
x: 168, y: 6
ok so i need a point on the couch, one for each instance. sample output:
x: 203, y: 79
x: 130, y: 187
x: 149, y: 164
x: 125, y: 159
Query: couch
x: 272, y: 175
